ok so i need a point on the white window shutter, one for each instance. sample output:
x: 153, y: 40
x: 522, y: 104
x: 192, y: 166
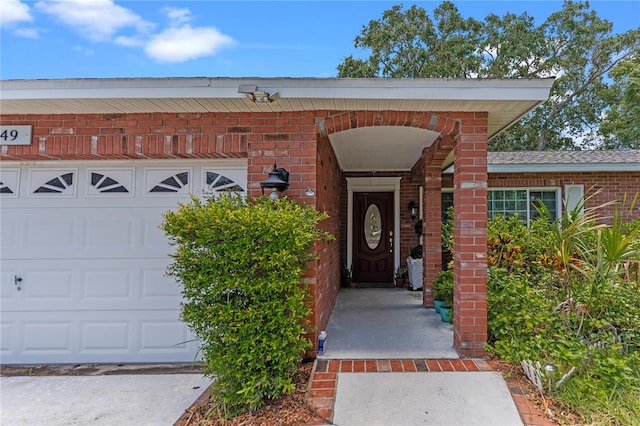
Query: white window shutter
x: 573, y: 196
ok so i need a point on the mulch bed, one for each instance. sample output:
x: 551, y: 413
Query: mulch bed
x: 290, y: 410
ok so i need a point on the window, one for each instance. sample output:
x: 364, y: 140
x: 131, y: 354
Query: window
x: 522, y: 202
x: 548, y: 198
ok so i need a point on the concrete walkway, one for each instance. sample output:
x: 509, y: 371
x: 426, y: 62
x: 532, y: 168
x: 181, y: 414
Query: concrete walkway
x: 389, y: 361
x: 385, y: 323
x: 453, y: 398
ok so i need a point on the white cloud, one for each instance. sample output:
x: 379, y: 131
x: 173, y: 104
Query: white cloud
x: 178, y: 16
x: 27, y: 33
x: 13, y: 11
x: 97, y: 20
x: 106, y: 21
x: 186, y: 43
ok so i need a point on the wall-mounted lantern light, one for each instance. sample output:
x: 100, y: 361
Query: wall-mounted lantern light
x: 413, y: 210
x: 278, y: 181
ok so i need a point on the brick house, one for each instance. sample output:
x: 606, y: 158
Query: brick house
x: 88, y: 166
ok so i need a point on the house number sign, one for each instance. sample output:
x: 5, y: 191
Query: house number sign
x: 15, y: 135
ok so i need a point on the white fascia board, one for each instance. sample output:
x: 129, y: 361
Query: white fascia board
x: 333, y: 88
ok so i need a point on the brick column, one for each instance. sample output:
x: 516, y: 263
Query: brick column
x: 432, y: 240
x: 470, y: 237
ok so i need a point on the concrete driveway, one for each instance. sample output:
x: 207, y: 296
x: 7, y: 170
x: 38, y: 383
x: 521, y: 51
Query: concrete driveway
x: 115, y: 400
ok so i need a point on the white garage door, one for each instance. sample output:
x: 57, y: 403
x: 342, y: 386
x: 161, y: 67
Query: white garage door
x: 83, y: 259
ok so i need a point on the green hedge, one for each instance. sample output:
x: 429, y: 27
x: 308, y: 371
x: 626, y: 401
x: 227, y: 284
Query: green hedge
x: 240, y: 264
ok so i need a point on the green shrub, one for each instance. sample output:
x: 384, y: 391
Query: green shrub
x: 443, y: 287
x: 512, y: 245
x: 562, y: 298
x: 240, y: 264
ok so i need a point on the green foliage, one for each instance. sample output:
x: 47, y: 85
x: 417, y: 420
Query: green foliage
x: 577, y: 47
x: 514, y: 246
x: 573, y: 44
x: 409, y: 44
x: 240, y: 265
x: 602, y: 407
x: 400, y: 271
x: 621, y: 127
x: 447, y: 230
x: 575, y: 309
x: 443, y: 287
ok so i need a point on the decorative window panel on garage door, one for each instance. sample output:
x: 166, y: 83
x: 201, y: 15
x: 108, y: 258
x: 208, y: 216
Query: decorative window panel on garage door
x: 84, y: 260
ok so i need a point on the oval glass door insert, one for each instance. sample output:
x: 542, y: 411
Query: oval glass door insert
x: 372, y: 226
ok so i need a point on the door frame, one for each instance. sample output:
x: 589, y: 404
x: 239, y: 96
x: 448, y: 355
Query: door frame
x: 374, y: 184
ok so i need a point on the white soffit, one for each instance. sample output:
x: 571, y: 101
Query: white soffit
x: 380, y: 148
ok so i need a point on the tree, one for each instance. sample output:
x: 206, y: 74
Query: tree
x: 621, y: 128
x: 410, y: 45
x: 573, y: 44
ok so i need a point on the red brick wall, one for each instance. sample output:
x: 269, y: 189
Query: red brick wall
x: 430, y: 166
x: 132, y: 136
x: 612, y: 185
x: 328, y: 188
x: 409, y: 191
x: 470, y: 237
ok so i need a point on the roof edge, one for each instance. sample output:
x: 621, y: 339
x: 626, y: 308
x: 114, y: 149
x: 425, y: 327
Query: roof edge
x: 337, y: 88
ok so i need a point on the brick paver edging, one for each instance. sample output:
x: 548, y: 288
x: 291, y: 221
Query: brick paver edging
x: 324, y: 381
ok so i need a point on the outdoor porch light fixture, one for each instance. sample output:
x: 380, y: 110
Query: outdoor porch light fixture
x: 257, y: 96
x: 413, y: 210
x: 278, y: 181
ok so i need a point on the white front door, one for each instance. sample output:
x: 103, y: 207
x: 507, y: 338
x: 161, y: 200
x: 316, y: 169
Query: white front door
x: 83, y: 259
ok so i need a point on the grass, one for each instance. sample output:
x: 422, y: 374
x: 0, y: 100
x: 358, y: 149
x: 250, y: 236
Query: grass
x: 601, y: 409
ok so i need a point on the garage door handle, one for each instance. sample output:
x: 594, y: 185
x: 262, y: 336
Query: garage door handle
x: 17, y: 280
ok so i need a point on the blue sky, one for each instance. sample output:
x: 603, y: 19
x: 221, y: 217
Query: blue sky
x: 205, y: 38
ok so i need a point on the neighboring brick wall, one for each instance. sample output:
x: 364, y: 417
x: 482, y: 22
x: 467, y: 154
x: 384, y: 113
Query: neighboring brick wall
x: 612, y: 185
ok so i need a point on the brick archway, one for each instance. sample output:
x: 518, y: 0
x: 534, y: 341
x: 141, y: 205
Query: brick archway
x: 421, y: 120
x: 466, y: 135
